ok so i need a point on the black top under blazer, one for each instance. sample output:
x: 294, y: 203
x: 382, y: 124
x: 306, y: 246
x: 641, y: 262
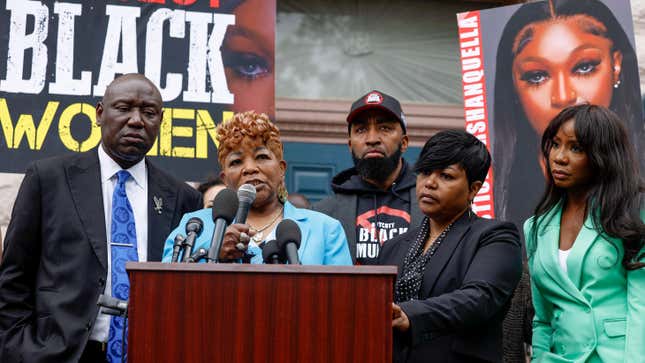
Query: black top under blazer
x: 466, y: 289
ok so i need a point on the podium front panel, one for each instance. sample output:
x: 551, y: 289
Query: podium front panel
x: 259, y: 313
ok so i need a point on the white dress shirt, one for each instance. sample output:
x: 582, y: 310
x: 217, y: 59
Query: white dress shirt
x: 136, y: 188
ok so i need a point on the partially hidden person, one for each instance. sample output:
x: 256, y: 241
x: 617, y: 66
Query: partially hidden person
x: 374, y: 200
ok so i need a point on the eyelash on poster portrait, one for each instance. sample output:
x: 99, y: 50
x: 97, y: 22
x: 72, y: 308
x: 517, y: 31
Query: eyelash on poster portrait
x: 244, y: 64
x: 586, y: 63
x: 529, y: 77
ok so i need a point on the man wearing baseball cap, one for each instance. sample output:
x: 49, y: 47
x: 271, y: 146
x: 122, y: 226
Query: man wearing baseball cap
x: 375, y: 200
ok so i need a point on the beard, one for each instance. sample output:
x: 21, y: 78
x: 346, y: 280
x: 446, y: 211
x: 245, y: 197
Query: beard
x: 377, y: 169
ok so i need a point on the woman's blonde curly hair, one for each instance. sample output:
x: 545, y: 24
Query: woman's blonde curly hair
x: 249, y: 124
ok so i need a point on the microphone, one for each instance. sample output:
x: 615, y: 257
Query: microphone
x: 288, y: 237
x: 195, y: 257
x: 224, y: 206
x: 112, y: 306
x: 271, y: 253
x: 193, y: 230
x: 246, y: 196
x: 176, y: 247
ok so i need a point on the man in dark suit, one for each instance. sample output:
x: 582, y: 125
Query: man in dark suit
x: 61, y: 242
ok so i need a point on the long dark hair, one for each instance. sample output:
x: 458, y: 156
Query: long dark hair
x: 511, y: 128
x: 615, y: 197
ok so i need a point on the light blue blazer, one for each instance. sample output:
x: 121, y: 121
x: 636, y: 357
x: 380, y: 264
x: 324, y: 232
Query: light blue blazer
x: 323, y: 239
x: 594, y: 312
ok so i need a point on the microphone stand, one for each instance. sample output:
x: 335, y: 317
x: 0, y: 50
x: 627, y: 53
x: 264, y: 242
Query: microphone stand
x: 119, y: 308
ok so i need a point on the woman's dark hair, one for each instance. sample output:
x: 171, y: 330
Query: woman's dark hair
x: 210, y: 182
x: 615, y: 197
x: 516, y: 140
x: 455, y: 147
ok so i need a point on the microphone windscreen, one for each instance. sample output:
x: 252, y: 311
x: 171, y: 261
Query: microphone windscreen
x: 246, y: 193
x: 287, y: 231
x: 225, y: 205
x: 271, y: 248
x: 179, y: 239
x: 194, y: 225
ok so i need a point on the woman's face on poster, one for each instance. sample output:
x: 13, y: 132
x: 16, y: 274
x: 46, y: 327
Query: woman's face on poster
x: 561, y: 63
x: 249, y: 56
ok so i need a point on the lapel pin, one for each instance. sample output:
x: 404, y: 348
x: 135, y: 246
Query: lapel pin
x: 158, y: 203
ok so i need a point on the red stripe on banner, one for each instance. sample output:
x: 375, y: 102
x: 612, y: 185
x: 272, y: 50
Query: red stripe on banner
x: 475, y: 110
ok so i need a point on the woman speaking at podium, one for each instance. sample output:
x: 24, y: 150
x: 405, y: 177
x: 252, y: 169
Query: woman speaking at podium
x: 457, y: 271
x: 250, y: 152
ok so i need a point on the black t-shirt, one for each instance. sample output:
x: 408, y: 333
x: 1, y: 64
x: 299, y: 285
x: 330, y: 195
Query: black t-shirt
x: 379, y: 217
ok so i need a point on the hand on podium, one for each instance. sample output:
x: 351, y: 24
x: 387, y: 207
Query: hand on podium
x: 400, y: 321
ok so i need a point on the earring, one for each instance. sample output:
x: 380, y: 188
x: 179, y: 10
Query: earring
x: 617, y: 84
x: 470, y: 209
x: 283, y: 194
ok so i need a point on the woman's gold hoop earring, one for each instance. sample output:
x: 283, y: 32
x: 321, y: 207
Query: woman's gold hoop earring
x: 283, y: 194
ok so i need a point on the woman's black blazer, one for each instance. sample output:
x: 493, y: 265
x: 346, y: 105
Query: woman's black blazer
x: 466, y: 289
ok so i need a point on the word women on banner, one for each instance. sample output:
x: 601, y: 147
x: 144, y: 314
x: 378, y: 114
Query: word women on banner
x: 26, y: 132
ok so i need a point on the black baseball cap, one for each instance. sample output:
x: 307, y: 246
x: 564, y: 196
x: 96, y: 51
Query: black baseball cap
x: 377, y: 100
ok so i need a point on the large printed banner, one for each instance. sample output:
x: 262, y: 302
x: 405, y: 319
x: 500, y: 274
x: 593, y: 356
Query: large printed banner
x: 522, y: 65
x: 209, y: 58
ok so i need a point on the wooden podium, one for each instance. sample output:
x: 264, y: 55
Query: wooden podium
x: 259, y: 313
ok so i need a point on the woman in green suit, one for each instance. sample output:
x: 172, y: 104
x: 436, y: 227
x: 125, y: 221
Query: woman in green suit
x: 585, y: 243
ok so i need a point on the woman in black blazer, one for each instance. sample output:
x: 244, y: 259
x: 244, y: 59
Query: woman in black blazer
x: 457, y: 272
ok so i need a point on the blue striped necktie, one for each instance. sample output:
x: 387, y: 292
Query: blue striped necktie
x: 123, y: 248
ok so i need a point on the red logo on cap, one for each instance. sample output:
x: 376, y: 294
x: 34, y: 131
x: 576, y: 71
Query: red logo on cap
x: 374, y: 97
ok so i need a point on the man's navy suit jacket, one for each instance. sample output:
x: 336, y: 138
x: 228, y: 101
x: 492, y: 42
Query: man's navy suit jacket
x: 55, y: 261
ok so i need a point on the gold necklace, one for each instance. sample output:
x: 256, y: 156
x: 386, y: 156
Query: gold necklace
x: 257, y: 237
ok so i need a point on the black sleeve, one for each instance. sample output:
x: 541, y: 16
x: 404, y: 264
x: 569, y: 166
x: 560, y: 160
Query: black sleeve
x: 19, y: 266
x: 190, y: 201
x: 488, y: 285
x: 197, y: 202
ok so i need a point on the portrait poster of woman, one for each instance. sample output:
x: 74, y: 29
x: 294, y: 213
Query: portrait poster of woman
x: 248, y: 54
x: 538, y: 58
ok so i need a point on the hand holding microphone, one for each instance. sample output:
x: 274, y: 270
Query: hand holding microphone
x: 237, y: 236
x: 246, y: 197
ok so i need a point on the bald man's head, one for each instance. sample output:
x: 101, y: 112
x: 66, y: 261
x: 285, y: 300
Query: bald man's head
x: 129, y: 76
x: 129, y: 115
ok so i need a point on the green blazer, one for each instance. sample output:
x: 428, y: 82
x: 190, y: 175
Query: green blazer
x: 594, y: 312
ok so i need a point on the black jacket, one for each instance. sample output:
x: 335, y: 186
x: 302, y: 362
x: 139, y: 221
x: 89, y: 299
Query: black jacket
x: 466, y: 290
x: 343, y: 204
x: 55, y: 262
